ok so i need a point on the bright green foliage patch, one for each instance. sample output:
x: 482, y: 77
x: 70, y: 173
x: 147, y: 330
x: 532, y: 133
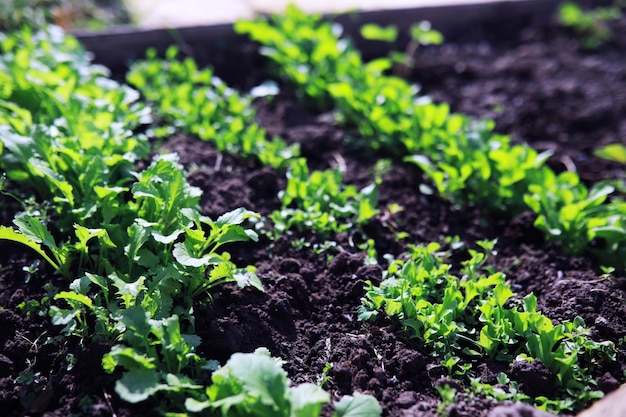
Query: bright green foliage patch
x: 590, y: 25
x: 475, y: 315
x: 464, y: 159
x: 319, y: 201
x: 132, y: 243
x: 305, y: 50
x: 613, y: 152
x: 197, y: 102
x: 57, y: 137
x: 572, y: 214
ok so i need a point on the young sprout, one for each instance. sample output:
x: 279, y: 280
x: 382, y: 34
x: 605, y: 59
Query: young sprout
x: 421, y: 34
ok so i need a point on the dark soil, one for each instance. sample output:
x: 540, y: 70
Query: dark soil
x: 538, y: 86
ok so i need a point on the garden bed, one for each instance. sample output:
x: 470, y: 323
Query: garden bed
x: 536, y: 83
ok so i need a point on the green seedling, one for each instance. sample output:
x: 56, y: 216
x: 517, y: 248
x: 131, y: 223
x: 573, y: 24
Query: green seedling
x: 575, y: 216
x: 255, y: 384
x: 195, y: 101
x: 132, y: 244
x: 589, y: 25
x: 319, y: 201
x: 421, y: 34
x: 448, y: 397
x: 613, y: 152
x: 305, y: 50
x: 473, y: 315
x: 466, y: 162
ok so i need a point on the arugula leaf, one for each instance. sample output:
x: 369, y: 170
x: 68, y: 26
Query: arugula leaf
x: 10, y: 234
x: 470, y: 315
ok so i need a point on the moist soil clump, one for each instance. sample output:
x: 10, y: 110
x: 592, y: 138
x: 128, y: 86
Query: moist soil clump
x: 538, y: 86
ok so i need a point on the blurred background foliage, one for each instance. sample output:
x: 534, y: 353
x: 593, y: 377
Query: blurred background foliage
x: 69, y: 14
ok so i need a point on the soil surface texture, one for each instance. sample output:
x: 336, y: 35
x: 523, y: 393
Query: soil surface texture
x: 537, y: 84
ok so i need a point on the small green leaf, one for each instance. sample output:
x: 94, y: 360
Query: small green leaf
x: 502, y: 293
x: 374, y: 32
x: 358, y: 405
x: 613, y: 152
x: 182, y: 255
x: 261, y: 376
x: 423, y: 33
x: 138, y: 385
x: 167, y: 239
x: 128, y: 358
x: 10, y: 234
x: 194, y: 406
x: 306, y: 400
x: 73, y: 296
x: 234, y: 217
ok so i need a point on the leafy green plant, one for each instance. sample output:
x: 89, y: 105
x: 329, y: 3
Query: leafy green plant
x: 305, y: 50
x: 319, y: 201
x: 448, y: 396
x: 198, y: 102
x: 464, y: 159
x: 470, y: 165
x: 421, y: 33
x: 575, y: 216
x: 474, y: 315
x: 133, y: 245
x: 589, y: 25
x: 254, y: 384
x: 66, y: 128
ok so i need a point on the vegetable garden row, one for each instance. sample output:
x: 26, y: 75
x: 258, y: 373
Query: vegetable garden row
x: 131, y: 257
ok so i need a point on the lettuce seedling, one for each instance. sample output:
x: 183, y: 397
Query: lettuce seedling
x: 319, y: 201
x: 420, y: 33
x: 474, y: 315
x: 254, y: 384
x: 464, y: 159
x: 573, y: 215
x: 197, y: 102
x: 305, y: 50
